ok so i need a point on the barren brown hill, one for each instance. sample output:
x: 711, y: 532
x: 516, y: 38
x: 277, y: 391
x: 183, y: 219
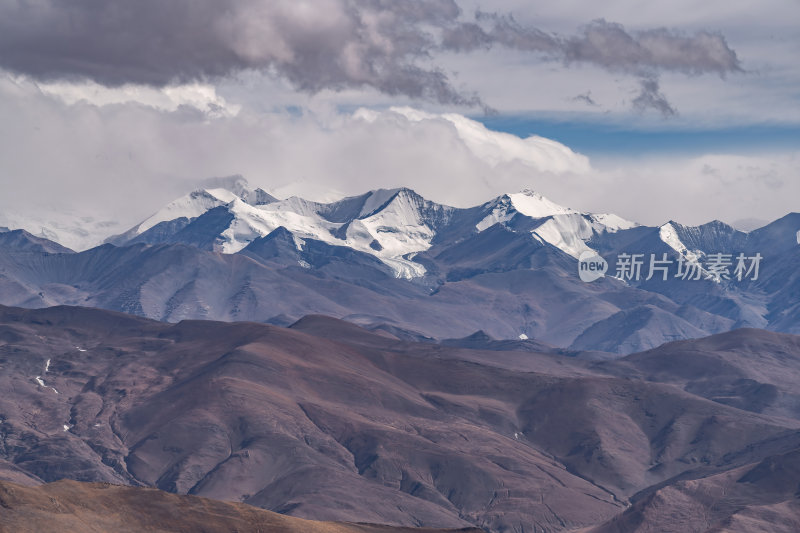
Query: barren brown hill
x: 751, y: 369
x: 759, y: 498
x: 75, y: 507
x: 329, y: 421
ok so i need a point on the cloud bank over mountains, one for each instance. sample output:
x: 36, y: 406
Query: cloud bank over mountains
x: 123, y: 159
x: 109, y: 104
x: 322, y: 44
x: 126, y: 152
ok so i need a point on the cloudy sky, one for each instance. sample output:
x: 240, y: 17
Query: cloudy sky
x: 653, y: 110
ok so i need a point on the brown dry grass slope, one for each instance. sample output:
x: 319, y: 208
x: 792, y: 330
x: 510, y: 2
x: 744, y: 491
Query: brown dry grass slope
x: 75, y: 507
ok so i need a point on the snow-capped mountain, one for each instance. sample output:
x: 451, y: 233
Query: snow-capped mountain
x: 563, y: 227
x: 393, y: 225
x: 178, y: 213
x: 697, y: 241
x: 391, y: 257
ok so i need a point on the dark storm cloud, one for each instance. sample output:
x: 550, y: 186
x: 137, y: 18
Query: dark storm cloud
x: 601, y: 43
x: 491, y: 29
x: 651, y: 97
x: 610, y: 46
x: 317, y: 45
x: 320, y: 44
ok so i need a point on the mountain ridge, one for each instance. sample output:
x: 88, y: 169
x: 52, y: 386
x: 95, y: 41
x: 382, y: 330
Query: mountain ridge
x: 327, y: 420
x: 392, y: 259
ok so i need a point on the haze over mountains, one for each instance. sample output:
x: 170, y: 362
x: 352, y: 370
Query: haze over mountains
x: 392, y: 259
x: 326, y: 420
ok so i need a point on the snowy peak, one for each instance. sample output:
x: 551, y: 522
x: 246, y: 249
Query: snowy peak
x: 402, y: 225
x: 392, y: 225
x: 569, y: 232
x: 367, y: 205
x: 696, y: 241
x: 258, y: 197
x: 572, y: 232
x: 239, y: 187
x: 669, y: 236
x: 563, y: 227
x: 773, y: 239
x: 354, y: 207
x: 526, y: 202
x: 375, y: 200
x: 189, y: 207
x: 406, y: 204
x: 613, y: 223
x: 403, y: 233
x: 534, y: 205
x: 218, y: 192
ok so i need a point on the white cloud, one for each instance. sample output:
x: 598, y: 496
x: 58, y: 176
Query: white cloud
x: 493, y: 147
x: 107, y: 153
x: 126, y: 160
x: 690, y: 190
x: 202, y: 97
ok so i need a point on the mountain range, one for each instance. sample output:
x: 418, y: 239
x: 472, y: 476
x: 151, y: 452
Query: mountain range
x: 328, y: 421
x: 392, y: 260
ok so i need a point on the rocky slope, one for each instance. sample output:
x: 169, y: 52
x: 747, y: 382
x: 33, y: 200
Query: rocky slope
x: 74, y: 507
x: 326, y: 420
